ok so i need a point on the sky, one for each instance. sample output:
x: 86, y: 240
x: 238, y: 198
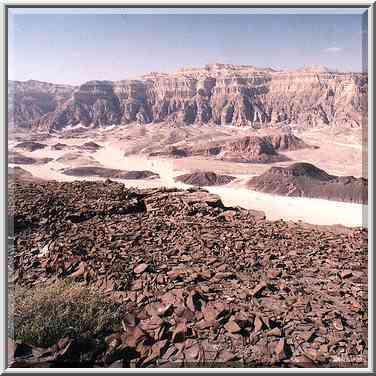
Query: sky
x: 74, y: 46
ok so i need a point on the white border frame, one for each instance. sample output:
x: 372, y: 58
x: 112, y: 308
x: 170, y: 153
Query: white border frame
x: 3, y: 218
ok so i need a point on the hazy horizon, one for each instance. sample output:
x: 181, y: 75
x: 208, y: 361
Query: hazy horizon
x: 66, y: 47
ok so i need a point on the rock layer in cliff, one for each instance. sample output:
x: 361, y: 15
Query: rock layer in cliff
x: 220, y: 94
x: 28, y: 101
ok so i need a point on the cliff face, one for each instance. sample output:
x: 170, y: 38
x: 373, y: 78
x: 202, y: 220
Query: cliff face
x: 28, y: 101
x: 217, y: 94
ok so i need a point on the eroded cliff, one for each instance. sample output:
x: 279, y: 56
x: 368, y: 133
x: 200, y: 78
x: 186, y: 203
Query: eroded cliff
x: 219, y: 94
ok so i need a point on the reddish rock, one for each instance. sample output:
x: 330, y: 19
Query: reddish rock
x: 140, y: 268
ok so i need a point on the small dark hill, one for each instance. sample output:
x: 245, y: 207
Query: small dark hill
x: 282, y: 141
x: 204, y: 179
x: 17, y: 158
x: 89, y: 146
x: 109, y: 173
x: 306, y: 180
x: 30, y: 145
x: 59, y: 146
x: 251, y: 149
x: 17, y: 172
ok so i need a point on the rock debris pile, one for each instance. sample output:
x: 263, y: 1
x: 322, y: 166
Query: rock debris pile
x: 201, y: 285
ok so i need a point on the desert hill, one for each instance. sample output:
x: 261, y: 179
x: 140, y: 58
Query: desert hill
x: 306, y: 180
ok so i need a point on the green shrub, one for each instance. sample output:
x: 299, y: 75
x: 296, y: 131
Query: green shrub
x: 43, y: 315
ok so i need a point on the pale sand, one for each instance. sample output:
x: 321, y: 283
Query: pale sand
x: 310, y: 210
x: 314, y: 211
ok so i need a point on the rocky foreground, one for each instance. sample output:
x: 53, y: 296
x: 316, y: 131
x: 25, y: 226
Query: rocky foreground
x: 199, y: 284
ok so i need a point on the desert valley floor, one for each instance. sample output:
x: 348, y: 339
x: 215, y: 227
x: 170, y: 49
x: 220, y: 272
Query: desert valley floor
x: 130, y: 148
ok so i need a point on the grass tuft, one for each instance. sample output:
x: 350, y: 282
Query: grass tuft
x: 43, y: 315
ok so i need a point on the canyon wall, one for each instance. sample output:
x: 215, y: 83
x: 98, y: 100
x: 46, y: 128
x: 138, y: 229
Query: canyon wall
x: 30, y: 100
x: 224, y: 94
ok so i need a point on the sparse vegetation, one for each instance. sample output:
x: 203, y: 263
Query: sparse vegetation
x: 43, y: 315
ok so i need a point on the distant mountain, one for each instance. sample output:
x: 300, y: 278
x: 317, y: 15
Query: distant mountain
x: 29, y: 100
x: 225, y: 94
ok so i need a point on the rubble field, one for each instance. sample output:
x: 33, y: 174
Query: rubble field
x: 198, y: 284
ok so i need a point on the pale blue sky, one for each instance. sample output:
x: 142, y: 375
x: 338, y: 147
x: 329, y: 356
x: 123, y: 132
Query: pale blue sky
x: 74, y: 47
